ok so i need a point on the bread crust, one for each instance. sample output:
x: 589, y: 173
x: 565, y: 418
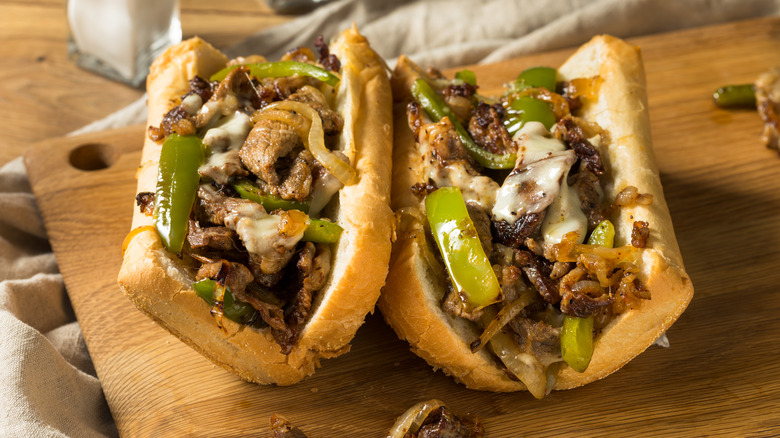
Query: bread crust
x: 412, y: 308
x: 159, y: 286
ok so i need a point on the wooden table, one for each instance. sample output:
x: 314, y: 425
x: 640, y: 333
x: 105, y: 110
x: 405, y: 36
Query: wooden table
x: 719, y: 379
x: 43, y: 94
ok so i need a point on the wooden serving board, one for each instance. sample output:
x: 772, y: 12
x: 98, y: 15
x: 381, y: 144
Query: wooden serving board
x: 720, y: 376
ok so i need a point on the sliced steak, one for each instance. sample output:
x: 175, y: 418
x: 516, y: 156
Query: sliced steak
x: 488, y: 131
x: 332, y: 122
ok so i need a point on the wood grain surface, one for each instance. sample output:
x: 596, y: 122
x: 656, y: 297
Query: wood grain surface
x: 719, y: 377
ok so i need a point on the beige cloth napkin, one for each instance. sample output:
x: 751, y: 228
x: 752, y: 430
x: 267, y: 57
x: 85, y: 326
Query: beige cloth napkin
x: 50, y: 388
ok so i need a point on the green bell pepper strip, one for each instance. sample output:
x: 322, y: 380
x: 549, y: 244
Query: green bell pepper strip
x: 321, y: 231
x: 537, y: 77
x: 527, y: 109
x: 577, y: 333
x: 437, y: 109
x: 603, y: 235
x: 467, y: 76
x: 577, y: 342
x: 735, y: 96
x: 248, y: 190
x: 237, y: 311
x: 282, y: 69
x: 177, y: 186
x: 469, y: 268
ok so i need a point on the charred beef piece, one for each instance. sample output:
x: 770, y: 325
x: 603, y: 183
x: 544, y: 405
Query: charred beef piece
x: 202, y: 88
x: 583, y: 305
x: 270, y: 313
x: 513, y: 235
x: 297, y: 178
x: 270, y: 141
x: 233, y: 275
x: 507, y: 278
x: 217, y: 237
x: 455, y: 305
x: 461, y: 90
x: 414, y: 117
x: 442, y: 423
x: 446, y: 145
x: 587, y: 186
x: 145, y: 202
x: 481, y: 221
x: 332, y: 122
x: 452, y: 302
x: 460, y: 99
x: 488, y: 131
x: 213, y: 207
x: 421, y: 190
x: 313, y: 268
x: 301, y: 279
x: 327, y: 59
x: 538, y: 270
x: 573, y: 135
x: 538, y: 338
x: 237, y: 92
x: 267, y: 280
x: 274, y: 152
x: 282, y: 428
x: 176, y: 120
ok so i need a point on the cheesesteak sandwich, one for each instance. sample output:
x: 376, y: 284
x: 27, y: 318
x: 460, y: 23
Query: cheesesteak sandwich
x: 534, y: 247
x: 261, y: 236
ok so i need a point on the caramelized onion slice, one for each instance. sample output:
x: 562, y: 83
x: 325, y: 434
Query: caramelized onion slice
x: 502, y: 318
x: 413, y: 418
x: 522, y: 364
x: 312, y: 135
x: 294, y: 120
x: 411, y: 225
x: 569, y: 251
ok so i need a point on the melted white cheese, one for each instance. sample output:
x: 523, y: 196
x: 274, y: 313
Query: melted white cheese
x: 220, y: 159
x: 229, y: 133
x: 534, y: 143
x: 563, y: 216
x: 224, y: 140
x: 259, y: 231
x: 322, y: 190
x: 475, y: 188
x: 192, y: 104
x: 209, y: 114
x: 533, y: 187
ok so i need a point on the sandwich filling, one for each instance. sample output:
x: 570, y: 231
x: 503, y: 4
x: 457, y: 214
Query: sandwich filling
x: 250, y: 165
x: 512, y: 204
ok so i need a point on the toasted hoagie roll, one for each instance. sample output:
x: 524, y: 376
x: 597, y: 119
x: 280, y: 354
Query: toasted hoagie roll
x: 261, y: 234
x: 534, y: 247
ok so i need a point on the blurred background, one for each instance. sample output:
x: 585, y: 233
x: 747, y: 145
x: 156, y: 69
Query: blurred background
x: 43, y: 94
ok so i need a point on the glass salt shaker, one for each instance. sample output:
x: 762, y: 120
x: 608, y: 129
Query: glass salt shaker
x: 119, y: 39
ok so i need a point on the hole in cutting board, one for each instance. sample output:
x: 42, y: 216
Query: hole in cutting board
x: 93, y: 156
